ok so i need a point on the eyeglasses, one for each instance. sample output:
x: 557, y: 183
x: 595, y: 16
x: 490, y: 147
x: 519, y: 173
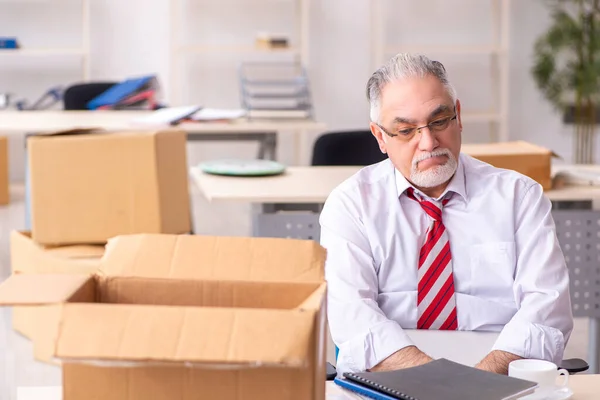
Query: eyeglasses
x: 434, y: 126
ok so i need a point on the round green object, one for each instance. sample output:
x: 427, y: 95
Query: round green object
x: 242, y: 167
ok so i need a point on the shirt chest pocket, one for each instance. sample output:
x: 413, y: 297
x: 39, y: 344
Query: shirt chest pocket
x: 492, y: 269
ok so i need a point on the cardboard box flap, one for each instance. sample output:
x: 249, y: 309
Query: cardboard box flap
x: 210, y: 257
x: 67, y: 132
x: 34, y: 289
x: 134, y: 333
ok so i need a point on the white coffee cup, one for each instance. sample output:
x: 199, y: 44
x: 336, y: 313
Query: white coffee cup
x: 545, y: 373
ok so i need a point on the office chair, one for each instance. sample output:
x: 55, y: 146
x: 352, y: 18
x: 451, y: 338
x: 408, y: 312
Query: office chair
x: 347, y: 148
x: 78, y: 95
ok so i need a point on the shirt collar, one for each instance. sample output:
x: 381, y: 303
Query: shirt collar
x: 456, y: 185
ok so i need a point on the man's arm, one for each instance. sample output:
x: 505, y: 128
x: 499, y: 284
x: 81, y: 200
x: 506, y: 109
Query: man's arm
x: 407, y: 357
x: 497, y: 361
x: 543, y: 323
x: 367, y: 339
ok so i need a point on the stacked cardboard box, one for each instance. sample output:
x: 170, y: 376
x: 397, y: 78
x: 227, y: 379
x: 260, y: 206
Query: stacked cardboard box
x: 87, y: 186
x: 183, y: 316
x: 529, y: 159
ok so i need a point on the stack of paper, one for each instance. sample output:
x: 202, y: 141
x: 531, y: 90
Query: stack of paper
x: 167, y: 116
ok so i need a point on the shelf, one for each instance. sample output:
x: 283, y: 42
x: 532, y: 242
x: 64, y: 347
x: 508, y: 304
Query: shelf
x: 450, y: 49
x: 42, y: 52
x: 236, y: 49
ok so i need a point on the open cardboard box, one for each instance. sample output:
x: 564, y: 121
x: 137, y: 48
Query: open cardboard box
x: 187, y: 317
x: 27, y: 256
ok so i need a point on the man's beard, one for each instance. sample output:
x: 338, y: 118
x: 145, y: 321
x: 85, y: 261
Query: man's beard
x: 436, y: 175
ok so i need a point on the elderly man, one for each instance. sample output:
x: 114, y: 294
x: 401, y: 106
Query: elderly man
x: 434, y: 239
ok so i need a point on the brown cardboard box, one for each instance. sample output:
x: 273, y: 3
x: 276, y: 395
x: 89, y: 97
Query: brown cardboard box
x: 528, y: 159
x: 4, y: 178
x: 182, y: 316
x: 88, y: 186
x: 29, y: 257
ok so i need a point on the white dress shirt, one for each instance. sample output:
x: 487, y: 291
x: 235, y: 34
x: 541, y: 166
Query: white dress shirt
x: 509, y: 271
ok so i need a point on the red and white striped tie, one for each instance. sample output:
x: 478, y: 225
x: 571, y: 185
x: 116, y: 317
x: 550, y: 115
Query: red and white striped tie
x: 436, y: 302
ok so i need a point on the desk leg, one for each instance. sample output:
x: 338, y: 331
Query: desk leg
x: 298, y: 150
x: 267, y: 149
x: 594, y: 346
x: 262, y: 149
x: 271, y: 139
x: 267, y: 141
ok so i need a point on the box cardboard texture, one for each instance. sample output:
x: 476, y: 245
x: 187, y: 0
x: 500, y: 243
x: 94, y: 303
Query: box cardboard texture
x: 27, y: 256
x: 90, y: 185
x: 187, y: 317
x: 4, y: 177
x: 528, y: 159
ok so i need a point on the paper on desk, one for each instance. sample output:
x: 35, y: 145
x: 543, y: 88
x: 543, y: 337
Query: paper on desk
x: 166, y: 116
x: 211, y: 114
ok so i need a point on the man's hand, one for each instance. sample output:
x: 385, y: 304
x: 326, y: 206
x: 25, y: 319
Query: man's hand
x: 497, y: 361
x: 407, y: 357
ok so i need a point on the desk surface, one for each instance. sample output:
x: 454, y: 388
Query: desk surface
x: 44, y: 121
x: 584, y: 387
x: 314, y: 184
x: 296, y: 185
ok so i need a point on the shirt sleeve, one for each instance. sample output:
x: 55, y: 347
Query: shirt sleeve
x: 544, y: 321
x: 360, y: 330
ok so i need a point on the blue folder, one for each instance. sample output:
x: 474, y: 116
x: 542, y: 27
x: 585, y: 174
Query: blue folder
x: 119, y: 92
x: 362, y: 390
x: 8, y: 43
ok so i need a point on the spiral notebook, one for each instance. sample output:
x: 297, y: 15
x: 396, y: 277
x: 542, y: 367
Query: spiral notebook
x: 439, y: 379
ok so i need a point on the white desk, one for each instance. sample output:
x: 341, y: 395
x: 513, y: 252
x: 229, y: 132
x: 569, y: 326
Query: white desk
x: 584, y: 387
x: 264, y: 131
x: 296, y: 185
x: 314, y: 184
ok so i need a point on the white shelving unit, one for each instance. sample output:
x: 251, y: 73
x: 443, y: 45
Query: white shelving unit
x: 298, y: 50
x: 497, y: 50
x: 83, y: 51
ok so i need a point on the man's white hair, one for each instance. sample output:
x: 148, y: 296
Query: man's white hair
x: 404, y: 65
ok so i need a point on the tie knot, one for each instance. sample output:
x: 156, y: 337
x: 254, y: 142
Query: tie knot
x: 431, y: 207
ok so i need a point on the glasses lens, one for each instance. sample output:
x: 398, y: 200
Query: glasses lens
x: 440, y: 124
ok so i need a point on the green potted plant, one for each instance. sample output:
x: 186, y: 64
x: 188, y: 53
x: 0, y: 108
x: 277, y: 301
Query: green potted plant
x: 567, y: 69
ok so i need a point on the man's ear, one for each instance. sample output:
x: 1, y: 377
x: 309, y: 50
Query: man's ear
x: 458, y: 117
x: 378, y: 133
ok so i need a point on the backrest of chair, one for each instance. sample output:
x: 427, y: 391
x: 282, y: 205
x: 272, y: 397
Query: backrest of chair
x: 77, y: 96
x: 578, y: 232
x: 358, y: 148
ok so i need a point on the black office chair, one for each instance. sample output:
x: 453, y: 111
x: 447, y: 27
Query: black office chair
x: 78, y: 95
x: 347, y: 148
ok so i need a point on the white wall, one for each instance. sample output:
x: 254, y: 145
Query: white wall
x: 133, y: 37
